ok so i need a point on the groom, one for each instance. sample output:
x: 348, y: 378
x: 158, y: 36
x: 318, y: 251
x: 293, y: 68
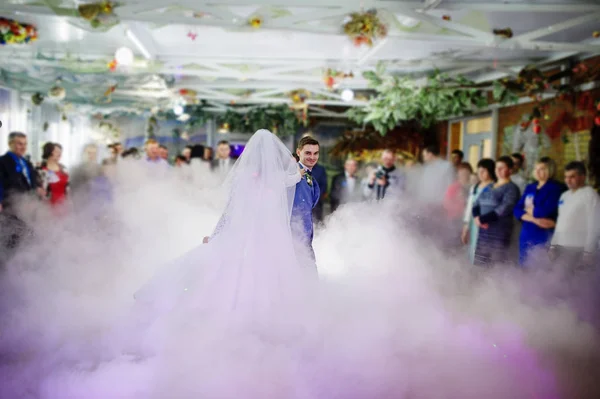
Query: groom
x: 307, y: 196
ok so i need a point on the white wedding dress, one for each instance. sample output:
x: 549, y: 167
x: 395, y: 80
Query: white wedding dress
x: 248, y: 271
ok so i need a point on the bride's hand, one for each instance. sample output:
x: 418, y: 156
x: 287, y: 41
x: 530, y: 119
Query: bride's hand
x: 205, y: 240
x: 302, y: 171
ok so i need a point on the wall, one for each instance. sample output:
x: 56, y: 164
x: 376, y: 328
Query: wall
x: 560, y: 151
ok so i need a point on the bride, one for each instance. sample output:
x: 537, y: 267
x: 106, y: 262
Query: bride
x: 248, y: 269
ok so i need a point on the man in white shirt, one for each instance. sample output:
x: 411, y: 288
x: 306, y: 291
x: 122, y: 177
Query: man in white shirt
x: 577, y: 231
x: 223, y: 163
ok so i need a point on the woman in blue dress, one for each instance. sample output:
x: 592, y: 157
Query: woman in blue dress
x: 493, y: 214
x: 538, y: 209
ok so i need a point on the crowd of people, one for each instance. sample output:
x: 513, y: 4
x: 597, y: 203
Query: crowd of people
x: 496, y: 212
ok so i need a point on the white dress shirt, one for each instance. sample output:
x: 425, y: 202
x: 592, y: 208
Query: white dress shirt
x: 578, y: 224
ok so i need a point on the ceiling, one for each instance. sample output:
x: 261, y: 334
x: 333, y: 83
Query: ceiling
x: 208, y: 47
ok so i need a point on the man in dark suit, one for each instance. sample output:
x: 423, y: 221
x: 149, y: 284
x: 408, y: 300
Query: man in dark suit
x: 17, y: 178
x: 346, y: 186
x: 17, y: 174
x: 223, y: 163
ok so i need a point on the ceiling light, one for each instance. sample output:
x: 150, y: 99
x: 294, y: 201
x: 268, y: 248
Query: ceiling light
x: 124, y: 56
x: 347, y: 95
x: 178, y: 110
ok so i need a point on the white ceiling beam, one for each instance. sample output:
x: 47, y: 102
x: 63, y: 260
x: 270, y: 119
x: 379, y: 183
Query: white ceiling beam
x: 215, y: 9
x: 475, y: 34
x: 139, y: 6
x: 214, y: 93
x: 316, y: 111
x: 269, y: 93
x: 142, y: 38
x: 238, y: 100
x: 372, y: 52
x: 559, y: 27
x: 322, y: 13
x: 565, y: 6
x: 325, y: 93
x: 556, y: 46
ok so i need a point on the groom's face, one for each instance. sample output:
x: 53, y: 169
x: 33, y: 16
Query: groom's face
x: 309, y: 155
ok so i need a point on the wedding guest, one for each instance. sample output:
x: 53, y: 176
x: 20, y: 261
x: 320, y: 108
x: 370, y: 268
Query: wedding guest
x: 163, y: 152
x: 538, y: 209
x: 345, y: 186
x: 456, y: 157
x: 187, y: 152
x: 437, y: 175
x: 486, y: 173
x: 56, y: 177
x: 518, y: 173
x: 131, y: 153
x: 493, y: 214
x: 180, y: 161
x: 457, y: 194
x: 82, y: 175
x: 577, y: 231
x: 18, y: 179
x: 153, y: 154
x: 223, y: 163
x: 17, y: 174
x: 386, y: 180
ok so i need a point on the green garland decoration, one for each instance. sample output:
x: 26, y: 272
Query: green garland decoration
x: 401, y: 99
x: 280, y: 119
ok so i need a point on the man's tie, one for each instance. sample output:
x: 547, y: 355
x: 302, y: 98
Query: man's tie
x: 25, y: 171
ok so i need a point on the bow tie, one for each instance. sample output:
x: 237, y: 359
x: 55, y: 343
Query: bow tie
x: 308, y: 172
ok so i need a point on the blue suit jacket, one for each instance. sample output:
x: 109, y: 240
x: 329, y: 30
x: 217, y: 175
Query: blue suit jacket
x: 307, y: 196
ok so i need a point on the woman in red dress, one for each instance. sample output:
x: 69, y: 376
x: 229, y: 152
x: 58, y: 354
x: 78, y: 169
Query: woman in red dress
x: 56, y: 179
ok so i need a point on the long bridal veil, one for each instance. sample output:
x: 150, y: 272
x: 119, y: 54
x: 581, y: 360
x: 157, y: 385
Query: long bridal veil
x: 248, y: 268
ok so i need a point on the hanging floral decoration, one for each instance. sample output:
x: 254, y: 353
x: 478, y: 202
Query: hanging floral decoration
x: 189, y: 96
x: 57, y: 92
x: 100, y: 15
x: 106, y: 97
x: 112, y: 65
x: 255, y: 22
x: 37, y: 98
x: 13, y: 32
x: 506, y: 33
x: 596, y: 34
x: 365, y: 28
x: 332, y: 77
